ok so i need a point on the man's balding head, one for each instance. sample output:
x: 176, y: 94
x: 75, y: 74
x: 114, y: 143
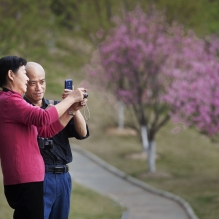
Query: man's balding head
x: 33, y: 66
x: 37, y: 84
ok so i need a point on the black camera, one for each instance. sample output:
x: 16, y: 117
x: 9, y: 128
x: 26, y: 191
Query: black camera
x: 85, y: 95
x: 45, y: 143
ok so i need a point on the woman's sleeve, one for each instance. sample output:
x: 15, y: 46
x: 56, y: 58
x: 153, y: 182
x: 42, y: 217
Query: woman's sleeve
x: 51, y: 130
x: 18, y: 110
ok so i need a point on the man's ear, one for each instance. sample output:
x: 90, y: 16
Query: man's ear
x: 11, y: 75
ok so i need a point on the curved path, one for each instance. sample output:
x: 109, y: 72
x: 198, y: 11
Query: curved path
x: 141, y: 200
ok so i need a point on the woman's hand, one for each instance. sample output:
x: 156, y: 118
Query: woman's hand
x: 77, y: 94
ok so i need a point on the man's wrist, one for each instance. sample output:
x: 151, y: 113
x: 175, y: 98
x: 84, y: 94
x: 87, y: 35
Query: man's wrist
x: 71, y: 113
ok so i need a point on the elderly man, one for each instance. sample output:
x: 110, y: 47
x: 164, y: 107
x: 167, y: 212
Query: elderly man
x: 56, y: 152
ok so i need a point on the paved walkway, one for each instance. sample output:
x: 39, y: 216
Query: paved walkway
x: 141, y: 200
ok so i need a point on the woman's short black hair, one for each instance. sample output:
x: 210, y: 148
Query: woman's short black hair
x: 9, y: 63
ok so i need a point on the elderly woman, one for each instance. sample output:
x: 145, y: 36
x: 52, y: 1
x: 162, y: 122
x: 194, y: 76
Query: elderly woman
x: 20, y: 123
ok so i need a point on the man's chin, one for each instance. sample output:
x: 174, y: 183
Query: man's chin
x: 38, y: 97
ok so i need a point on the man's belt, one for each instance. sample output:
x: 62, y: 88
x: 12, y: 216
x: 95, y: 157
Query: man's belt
x: 57, y: 169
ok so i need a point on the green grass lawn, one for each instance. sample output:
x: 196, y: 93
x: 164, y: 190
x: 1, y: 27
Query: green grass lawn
x: 87, y: 204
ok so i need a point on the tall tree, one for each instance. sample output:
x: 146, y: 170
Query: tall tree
x: 136, y: 62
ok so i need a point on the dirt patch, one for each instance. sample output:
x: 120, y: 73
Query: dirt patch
x: 123, y: 132
x: 157, y: 174
x: 136, y: 156
x: 139, y: 156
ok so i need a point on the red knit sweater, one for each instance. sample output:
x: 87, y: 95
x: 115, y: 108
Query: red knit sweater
x: 21, y: 160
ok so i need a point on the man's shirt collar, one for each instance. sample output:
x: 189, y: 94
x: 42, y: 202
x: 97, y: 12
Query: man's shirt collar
x: 45, y: 102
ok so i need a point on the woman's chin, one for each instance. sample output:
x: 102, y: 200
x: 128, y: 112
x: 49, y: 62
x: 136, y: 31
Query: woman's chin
x: 24, y: 91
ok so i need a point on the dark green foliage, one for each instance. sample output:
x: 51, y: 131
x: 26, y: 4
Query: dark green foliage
x: 66, y: 11
x: 31, y: 28
x: 26, y: 27
x: 85, y: 16
x: 202, y: 16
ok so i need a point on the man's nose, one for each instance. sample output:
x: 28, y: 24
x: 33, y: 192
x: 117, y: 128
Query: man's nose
x: 38, y: 86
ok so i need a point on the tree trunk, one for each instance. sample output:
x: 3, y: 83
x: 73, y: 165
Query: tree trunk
x: 151, y: 153
x: 120, y: 115
x: 150, y: 148
x: 125, y: 5
x: 144, y: 137
x: 108, y: 9
x: 98, y: 12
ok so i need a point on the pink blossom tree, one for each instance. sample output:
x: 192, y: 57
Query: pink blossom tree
x: 151, y: 67
x: 194, y: 94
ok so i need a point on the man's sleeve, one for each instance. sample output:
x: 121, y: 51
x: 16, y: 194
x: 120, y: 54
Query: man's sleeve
x: 70, y: 129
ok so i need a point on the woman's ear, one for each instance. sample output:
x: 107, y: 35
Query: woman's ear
x: 11, y: 75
